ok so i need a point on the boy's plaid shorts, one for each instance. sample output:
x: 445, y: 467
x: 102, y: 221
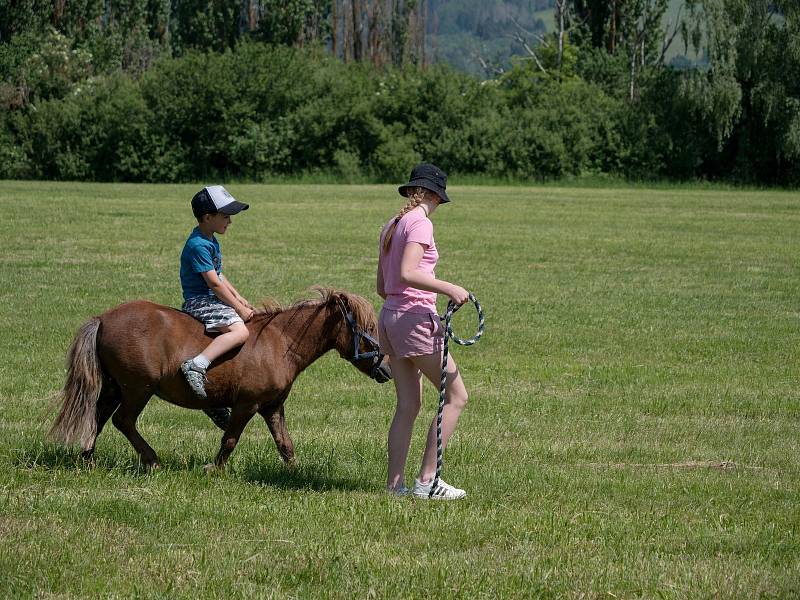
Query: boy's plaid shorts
x: 211, y: 311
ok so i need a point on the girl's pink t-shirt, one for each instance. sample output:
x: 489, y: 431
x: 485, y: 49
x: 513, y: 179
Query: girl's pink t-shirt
x: 413, y: 227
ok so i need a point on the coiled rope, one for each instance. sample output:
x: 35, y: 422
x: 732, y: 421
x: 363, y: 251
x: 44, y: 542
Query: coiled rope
x: 448, y: 333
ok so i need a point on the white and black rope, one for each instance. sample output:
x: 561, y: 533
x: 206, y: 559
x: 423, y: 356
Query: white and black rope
x: 448, y: 333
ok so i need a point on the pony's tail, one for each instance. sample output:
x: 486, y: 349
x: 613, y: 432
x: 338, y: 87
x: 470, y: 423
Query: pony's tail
x: 77, y: 421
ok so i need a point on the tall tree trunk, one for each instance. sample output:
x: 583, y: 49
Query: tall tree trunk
x: 358, y: 52
x: 612, y: 38
x: 423, y: 17
x: 561, y: 9
x: 375, y: 36
x: 396, y: 33
x: 347, y: 31
x: 434, y: 33
x: 403, y: 33
x: 632, y: 86
x: 334, y: 28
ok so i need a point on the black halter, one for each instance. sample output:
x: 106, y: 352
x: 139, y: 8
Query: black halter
x: 379, y: 372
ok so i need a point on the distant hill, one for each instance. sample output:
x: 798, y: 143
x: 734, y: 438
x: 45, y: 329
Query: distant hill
x: 466, y: 32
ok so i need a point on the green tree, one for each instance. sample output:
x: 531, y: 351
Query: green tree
x: 749, y: 97
x: 288, y: 22
x: 632, y: 28
x: 205, y: 24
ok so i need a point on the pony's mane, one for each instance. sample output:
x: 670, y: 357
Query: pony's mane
x: 269, y: 307
x: 361, y: 309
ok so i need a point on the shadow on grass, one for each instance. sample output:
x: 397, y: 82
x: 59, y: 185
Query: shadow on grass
x: 264, y: 468
x: 277, y: 475
x: 38, y: 455
x: 50, y: 456
x: 318, y: 475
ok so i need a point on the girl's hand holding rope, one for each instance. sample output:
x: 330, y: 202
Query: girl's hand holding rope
x: 458, y: 295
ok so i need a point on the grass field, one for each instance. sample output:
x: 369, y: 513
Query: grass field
x: 633, y: 428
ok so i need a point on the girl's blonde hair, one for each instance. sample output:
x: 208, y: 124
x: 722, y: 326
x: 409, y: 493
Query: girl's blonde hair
x: 415, y: 196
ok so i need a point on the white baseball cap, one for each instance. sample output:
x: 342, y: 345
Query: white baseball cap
x: 216, y: 199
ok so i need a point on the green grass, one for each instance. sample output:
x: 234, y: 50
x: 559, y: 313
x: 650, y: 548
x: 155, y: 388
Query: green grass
x: 632, y: 428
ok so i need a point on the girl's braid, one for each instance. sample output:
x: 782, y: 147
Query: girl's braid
x: 415, y: 196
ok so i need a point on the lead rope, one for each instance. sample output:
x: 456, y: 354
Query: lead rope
x: 448, y: 333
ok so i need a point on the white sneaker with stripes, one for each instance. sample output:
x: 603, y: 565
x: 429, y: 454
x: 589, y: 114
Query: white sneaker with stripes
x: 443, y: 491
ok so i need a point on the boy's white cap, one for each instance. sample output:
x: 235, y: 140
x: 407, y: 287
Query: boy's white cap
x: 216, y: 199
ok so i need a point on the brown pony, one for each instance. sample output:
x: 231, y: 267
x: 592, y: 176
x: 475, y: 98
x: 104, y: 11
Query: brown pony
x: 121, y: 358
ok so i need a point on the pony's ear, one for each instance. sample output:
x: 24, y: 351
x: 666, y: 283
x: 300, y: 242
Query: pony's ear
x: 341, y: 299
x: 362, y: 310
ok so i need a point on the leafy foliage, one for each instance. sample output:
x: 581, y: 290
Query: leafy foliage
x: 145, y: 90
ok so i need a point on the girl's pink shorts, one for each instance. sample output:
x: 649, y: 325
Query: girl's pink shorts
x: 403, y: 334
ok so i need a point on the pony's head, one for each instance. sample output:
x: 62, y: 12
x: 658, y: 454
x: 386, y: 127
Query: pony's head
x: 356, y: 340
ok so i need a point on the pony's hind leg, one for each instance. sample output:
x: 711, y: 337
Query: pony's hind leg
x: 107, y: 403
x: 124, y: 419
x: 276, y: 421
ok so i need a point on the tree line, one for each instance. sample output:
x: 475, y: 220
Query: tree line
x: 178, y: 90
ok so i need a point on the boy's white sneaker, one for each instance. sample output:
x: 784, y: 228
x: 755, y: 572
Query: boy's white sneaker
x: 443, y: 491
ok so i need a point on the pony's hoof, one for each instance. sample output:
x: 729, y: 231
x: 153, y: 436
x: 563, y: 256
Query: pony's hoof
x: 212, y: 469
x: 153, y: 466
x: 292, y: 464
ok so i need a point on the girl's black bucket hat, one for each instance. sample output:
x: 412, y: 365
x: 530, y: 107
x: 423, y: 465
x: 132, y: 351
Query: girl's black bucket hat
x: 429, y: 177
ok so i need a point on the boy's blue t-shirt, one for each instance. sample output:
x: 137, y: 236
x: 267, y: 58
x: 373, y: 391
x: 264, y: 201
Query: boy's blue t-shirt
x: 199, y: 256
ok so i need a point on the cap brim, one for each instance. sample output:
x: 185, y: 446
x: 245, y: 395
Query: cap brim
x: 233, y: 207
x: 403, y: 189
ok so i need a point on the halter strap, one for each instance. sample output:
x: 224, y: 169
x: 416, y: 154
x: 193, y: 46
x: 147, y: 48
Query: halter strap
x: 358, y: 333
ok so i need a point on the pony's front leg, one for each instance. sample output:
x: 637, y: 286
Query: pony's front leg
x: 240, y: 417
x: 276, y: 421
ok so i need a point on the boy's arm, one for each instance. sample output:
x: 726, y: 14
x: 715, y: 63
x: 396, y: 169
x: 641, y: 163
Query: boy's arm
x: 235, y: 293
x: 223, y: 292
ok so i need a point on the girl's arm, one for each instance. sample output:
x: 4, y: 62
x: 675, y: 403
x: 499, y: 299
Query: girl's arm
x: 380, y: 285
x: 411, y: 275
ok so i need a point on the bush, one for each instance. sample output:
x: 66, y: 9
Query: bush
x: 558, y: 128
x: 14, y: 163
x: 258, y: 110
x: 100, y: 132
x: 395, y: 154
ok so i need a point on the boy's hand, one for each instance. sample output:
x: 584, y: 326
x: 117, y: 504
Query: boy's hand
x: 245, y: 302
x: 246, y: 312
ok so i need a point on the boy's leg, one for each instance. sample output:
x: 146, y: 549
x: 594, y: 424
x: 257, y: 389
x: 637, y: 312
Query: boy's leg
x: 194, y: 369
x: 230, y: 337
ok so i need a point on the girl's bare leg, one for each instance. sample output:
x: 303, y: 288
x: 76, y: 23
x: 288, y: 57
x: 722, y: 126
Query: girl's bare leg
x: 408, y: 385
x: 456, y: 399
